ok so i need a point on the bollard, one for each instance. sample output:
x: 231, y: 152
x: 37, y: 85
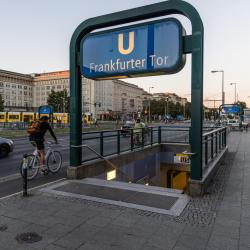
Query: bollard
x: 25, y: 175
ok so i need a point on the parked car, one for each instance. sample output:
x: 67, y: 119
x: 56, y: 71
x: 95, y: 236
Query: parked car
x: 6, y: 146
x: 126, y: 128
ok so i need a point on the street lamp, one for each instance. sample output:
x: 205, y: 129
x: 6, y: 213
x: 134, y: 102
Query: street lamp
x: 149, y: 114
x: 223, y: 93
x: 234, y: 83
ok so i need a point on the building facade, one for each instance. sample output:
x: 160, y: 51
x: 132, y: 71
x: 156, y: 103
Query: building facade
x: 16, y: 90
x: 171, y: 97
x: 103, y: 98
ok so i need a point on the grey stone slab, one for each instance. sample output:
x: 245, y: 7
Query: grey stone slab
x: 130, y: 242
x: 93, y: 245
x: 245, y: 229
x: 58, y: 230
x: 53, y: 247
x: 219, y: 242
x: 149, y: 246
x: 245, y: 240
x: 77, y: 237
x: 99, y: 221
x: 191, y: 241
x: 202, y: 232
x: 125, y: 220
x: 225, y: 231
x: 171, y: 231
x: 228, y: 222
x: 163, y: 242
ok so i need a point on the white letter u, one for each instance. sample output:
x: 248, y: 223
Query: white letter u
x: 131, y: 44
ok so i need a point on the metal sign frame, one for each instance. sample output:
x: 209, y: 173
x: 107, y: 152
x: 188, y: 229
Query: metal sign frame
x: 193, y: 44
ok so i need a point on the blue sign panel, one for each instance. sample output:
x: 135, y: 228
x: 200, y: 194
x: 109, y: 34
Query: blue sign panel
x: 233, y: 109
x: 146, y: 49
x: 45, y: 110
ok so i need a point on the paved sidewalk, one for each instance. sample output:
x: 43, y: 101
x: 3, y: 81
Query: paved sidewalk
x: 219, y: 220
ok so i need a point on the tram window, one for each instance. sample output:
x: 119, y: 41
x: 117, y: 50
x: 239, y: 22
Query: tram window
x: 2, y: 117
x: 13, y: 116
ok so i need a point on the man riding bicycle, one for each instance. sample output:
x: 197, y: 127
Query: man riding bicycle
x: 37, y: 133
x: 138, y: 130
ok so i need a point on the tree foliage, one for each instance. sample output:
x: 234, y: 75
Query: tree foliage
x: 242, y: 105
x: 59, y: 101
x: 1, y: 104
x: 163, y: 107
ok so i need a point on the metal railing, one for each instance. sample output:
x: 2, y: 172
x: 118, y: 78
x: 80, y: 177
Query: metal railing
x: 115, y: 142
x: 213, y: 143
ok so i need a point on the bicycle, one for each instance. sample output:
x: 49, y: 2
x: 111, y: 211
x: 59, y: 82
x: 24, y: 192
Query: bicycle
x: 53, y: 161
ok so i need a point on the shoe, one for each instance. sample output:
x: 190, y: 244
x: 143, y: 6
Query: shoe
x: 44, y: 171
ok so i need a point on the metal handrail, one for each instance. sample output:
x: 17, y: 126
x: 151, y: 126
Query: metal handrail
x: 106, y: 160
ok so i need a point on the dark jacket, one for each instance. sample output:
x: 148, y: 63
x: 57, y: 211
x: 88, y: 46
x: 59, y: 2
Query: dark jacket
x: 44, y: 126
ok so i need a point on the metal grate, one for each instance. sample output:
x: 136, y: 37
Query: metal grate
x: 29, y: 237
x: 118, y: 194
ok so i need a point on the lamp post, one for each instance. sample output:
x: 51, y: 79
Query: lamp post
x: 149, y: 113
x: 223, y: 93
x: 234, y: 83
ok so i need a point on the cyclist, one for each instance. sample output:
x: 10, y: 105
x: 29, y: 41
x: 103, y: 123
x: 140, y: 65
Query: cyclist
x: 38, y: 138
x: 138, y: 130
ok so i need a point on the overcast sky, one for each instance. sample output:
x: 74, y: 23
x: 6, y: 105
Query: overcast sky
x: 35, y: 36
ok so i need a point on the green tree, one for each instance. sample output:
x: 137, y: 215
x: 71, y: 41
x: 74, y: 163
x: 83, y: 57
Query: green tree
x: 59, y: 101
x: 161, y: 107
x: 242, y: 105
x: 1, y: 104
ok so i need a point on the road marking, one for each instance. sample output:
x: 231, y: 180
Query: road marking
x: 10, y: 177
x: 40, y: 186
x: 18, y: 175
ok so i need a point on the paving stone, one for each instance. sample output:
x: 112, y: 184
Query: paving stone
x: 99, y: 221
x: 191, y: 241
x: 225, y: 231
x: 53, y: 247
x: 245, y: 240
x: 219, y: 242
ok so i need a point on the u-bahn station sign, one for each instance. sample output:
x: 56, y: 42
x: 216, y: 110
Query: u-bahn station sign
x: 151, y: 48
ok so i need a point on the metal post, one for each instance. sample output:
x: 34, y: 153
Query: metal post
x: 159, y: 134
x: 25, y: 175
x: 212, y: 146
x: 151, y: 135
x: 118, y: 142
x: 206, y: 150
x: 132, y: 140
x: 149, y: 106
x: 216, y: 142
x: 101, y: 143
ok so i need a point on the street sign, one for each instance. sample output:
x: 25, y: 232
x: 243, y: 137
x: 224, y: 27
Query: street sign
x: 45, y: 109
x: 230, y: 109
x: 151, y: 48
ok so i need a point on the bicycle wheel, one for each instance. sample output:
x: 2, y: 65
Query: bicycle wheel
x: 54, y: 161
x: 32, y: 168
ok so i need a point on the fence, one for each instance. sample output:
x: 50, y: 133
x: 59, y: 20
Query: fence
x: 112, y: 142
x: 213, y: 143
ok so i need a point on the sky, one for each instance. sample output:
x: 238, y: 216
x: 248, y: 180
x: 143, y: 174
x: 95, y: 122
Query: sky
x: 35, y: 37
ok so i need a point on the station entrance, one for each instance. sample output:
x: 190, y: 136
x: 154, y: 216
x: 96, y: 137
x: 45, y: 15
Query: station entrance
x: 144, y: 49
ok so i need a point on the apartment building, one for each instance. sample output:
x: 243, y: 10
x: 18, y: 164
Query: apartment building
x: 172, y: 97
x: 100, y: 98
x: 16, y: 90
